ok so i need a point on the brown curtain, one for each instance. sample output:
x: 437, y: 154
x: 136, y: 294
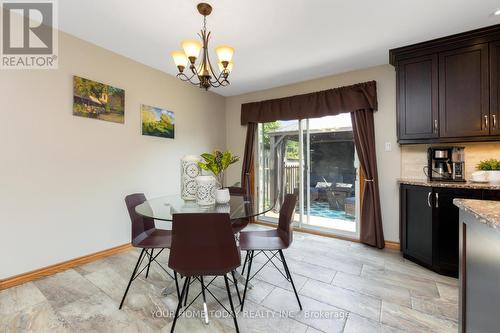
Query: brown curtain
x: 371, y: 231
x: 247, y: 168
x: 361, y: 96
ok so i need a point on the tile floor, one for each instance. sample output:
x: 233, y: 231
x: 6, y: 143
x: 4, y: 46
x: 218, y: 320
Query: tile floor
x: 344, y: 287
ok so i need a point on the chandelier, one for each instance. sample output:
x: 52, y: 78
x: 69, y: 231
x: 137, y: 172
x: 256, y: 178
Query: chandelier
x: 202, y: 74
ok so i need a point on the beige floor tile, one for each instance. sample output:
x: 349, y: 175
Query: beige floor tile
x: 437, y: 307
x: 20, y: 297
x: 341, y: 298
x: 65, y: 287
x: 36, y: 318
x: 447, y: 292
x: 318, y: 315
x: 382, y: 290
x: 358, y: 324
x: 414, y: 321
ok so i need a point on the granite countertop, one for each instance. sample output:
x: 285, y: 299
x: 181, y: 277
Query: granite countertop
x: 467, y: 184
x: 487, y: 212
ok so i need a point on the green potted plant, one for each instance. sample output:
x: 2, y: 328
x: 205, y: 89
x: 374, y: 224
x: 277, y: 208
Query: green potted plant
x: 217, y: 163
x: 492, y: 169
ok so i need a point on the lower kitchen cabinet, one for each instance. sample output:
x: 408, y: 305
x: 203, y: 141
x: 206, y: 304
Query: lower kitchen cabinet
x: 429, y: 225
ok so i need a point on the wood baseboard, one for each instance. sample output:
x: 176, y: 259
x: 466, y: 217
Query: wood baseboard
x: 388, y: 244
x: 392, y: 245
x: 52, y: 269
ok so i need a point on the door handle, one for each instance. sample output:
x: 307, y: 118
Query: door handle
x: 485, y: 122
x: 494, y: 118
x: 429, y: 199
x: 437, y: 200
x: 435, y: 126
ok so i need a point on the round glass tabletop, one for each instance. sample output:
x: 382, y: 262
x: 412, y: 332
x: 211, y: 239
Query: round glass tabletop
x: 162, y: 208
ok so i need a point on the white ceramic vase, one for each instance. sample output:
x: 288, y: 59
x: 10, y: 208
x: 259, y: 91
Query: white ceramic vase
x: 493, y: 176
x: 189, y: 171
x: 205, y: 193
x: 222, y: 196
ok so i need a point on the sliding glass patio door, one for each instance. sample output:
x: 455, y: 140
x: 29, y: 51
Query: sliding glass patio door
x: 316, y: 160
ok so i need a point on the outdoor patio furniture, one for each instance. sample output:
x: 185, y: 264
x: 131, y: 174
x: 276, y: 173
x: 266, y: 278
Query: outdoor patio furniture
x: 336, y: 196
x: 350, y: 206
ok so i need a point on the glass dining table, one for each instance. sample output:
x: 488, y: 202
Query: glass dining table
x: 239, y: 207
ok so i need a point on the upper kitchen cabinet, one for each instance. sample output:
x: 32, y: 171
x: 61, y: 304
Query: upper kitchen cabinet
x: 417, y: 98
x: 448, y: 89
x: 494, y: 88
x: 464, y: 92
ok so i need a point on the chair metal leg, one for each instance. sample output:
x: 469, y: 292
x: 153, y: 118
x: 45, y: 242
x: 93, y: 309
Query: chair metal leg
x: 149, y: 263
x: 231, y: 303
x: 290, y: 275
x: 179, y: 305
x: 236, y: 286
x: 248, y: 278
x: 205, y: 310
x: 244, y: 264
x: 177, y: 285
x: 188, y: 280
x: 131, y: 278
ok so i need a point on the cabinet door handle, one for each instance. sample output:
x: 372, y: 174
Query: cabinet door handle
x: 429, y: 199
x: 494, y: 117
x: 435, y: 126
x: 437, y: 200
x: 485, y: 122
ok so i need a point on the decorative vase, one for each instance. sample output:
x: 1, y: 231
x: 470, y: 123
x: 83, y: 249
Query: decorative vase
x: 224, y: 208
x: 493, y: 176
x: 222, y: 196
x: 205, y: 193
x: 189, y: 171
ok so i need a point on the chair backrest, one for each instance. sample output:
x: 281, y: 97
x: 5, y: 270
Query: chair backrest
x: 233, y: 190
x: 140, y: 224
x: 287, y: 213
x: 203, y: 244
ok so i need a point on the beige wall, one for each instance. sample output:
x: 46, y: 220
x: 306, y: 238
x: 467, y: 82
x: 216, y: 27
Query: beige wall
x: 63, y: 178
x: 385, y: 128
x: 414, y: 157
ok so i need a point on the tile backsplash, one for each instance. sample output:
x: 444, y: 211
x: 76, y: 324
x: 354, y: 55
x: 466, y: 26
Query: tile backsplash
x: 414, y: 157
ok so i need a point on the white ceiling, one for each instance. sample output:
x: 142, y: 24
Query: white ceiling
x: 277, y: 42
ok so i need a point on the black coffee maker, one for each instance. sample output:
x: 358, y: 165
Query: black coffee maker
x: 446, y: 164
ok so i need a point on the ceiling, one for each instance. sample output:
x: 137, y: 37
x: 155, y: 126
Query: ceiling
x: 277, y: 42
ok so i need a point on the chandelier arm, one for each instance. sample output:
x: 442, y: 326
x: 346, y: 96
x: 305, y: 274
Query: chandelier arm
x: 185, y: 78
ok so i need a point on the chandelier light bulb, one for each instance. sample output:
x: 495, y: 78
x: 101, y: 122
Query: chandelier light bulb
x: 180, y: 59
x: 191, y: 48
x: 224, y: 53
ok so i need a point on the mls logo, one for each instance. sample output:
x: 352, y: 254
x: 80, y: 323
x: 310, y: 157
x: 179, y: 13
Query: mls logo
x: 29, y: 35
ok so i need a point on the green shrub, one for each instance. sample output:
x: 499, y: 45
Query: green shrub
x: 491, y: 164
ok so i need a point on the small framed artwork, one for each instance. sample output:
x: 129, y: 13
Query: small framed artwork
x: 157, y: 122
x: 97, y: 100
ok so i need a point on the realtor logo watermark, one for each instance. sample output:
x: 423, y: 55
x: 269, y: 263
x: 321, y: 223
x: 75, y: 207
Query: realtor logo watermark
x: 29, y: 35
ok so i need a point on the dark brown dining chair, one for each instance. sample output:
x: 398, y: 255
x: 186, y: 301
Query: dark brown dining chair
x: 273, y: 241
x: 146, y: 237
x: 203, y: 245
x: 238, y: 224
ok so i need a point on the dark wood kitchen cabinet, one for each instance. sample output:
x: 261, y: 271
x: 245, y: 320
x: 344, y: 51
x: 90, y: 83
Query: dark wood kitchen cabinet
x: 446, y: 228
x: 463, y: 92
x: 416, y: 223
x: 429, y: 225
x: 448, y: 89
x: 418, y: 98
x: 494, y: 88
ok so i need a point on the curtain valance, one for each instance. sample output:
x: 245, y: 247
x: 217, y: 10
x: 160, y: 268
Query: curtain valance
x: 361, y: 96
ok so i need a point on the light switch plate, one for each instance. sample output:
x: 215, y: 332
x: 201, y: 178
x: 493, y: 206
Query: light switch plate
x: 388, y: 146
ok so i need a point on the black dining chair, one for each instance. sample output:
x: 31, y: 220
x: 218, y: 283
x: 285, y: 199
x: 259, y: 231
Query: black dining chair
x: 273, y: 241
x: 203, y: 245
x: 148, y: 238
x: 238, y: 224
